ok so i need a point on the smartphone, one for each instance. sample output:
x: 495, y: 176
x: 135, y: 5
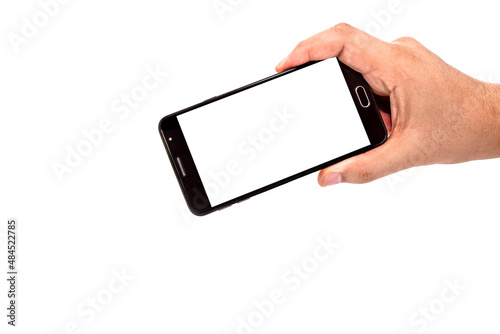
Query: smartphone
x: 260, y: 136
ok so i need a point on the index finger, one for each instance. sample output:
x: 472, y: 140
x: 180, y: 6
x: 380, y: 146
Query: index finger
x: 355, y: 48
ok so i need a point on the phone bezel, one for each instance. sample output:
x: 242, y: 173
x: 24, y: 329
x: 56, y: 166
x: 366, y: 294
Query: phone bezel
x: 191, y: 184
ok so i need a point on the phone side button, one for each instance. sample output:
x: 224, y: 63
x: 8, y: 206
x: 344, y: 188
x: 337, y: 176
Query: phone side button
x: 364, y: 101
x: 211, y: 99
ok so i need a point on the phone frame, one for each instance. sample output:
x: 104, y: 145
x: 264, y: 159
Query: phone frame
x: 191, y: 184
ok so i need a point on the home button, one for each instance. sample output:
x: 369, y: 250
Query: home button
x: 364, y: 101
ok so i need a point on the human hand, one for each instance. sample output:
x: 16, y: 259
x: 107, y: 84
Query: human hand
x: 437, y: 113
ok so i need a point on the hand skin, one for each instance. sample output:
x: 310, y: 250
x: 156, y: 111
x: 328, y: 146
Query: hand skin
x: 438, y: 115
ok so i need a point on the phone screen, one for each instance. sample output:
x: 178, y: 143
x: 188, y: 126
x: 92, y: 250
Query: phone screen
x: 272, y: 131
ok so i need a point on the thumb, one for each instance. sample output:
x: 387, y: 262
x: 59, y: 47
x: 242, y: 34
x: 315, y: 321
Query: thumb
x: 391, y: 157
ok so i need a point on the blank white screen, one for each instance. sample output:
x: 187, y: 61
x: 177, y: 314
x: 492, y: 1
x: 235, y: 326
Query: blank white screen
x: 272, y: 131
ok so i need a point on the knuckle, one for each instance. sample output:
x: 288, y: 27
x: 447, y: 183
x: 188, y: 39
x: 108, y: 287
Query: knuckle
x: 365, y: 176
x: 300, y: 45
x: 342, y: 28
x: 406, y: 40
x: 362, y: 175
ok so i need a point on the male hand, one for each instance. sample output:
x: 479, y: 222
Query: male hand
x: 437, y: 113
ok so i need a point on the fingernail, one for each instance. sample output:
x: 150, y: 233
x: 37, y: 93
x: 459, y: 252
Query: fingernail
x: 331, y: 179
x: 281, y: 62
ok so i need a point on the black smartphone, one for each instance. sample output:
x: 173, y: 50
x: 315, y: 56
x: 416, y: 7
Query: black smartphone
x: 260, y: 136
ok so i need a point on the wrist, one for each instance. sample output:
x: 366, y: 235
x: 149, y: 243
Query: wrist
x: 487, y: 116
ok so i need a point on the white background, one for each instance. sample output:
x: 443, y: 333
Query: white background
x: 121, y: 209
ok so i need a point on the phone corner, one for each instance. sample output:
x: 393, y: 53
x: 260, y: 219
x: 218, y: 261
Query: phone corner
x: 385, y: 136
x: 197, y: 212
x: 160, y: 124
